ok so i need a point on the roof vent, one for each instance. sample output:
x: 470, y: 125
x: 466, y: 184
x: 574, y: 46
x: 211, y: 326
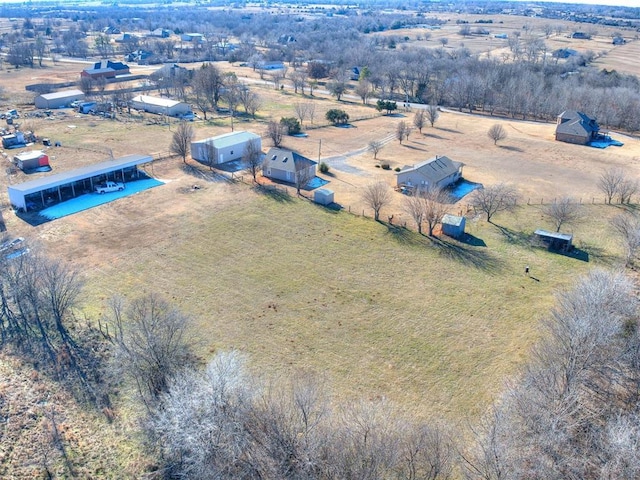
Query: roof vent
x: 274, y: 158
x: 284, y: 160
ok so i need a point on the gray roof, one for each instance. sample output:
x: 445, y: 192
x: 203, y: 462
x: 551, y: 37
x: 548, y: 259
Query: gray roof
x: 435, y: 169
x: 560, y: 236
x: 63, y: 94
x: 576, y: 123
x: 286, y: 160
x: 230, y: 139
x: 81, y: 173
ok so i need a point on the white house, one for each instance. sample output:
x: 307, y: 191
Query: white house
x: 162, y: 106
x: 224, y: 148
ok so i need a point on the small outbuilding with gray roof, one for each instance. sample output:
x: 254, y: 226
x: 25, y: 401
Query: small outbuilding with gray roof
x: 436, y: 172
x: 49, y: 190
x: 224, y: 148
x: 60, y: 99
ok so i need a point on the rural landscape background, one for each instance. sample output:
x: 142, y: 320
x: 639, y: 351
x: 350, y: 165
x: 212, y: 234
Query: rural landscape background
x: 221, y: 326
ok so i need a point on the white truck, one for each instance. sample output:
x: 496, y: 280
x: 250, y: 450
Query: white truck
x: 109, y: 187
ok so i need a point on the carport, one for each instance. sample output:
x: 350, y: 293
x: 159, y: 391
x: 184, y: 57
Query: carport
x: 47, y: 191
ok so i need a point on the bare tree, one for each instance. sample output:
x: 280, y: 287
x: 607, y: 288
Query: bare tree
x: 200, y: 426
x: 413, y: 205
x: 433, y: 200
x: 627, y: 225
x: 364, y: 90
x: 375, y: 146
x: 565, y: 211
x: 376, y: 196
x: 252, y: 158
x: 311, y: 111
x: 302, y: 111
x: 419, y: 120
x: 626, y: 189
x: 402, y: 131
x: 497, y: 133
x: 493, y: 199
x: 250, y: 100
x: 609, y: 183
x: 181, y: 141
x: 208, y: 153
x: 276, y: 132
x: 304, y: 174
x: 152, y: 344
x: 432, y: 113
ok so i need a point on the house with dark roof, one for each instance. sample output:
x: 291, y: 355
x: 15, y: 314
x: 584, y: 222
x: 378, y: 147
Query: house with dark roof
x: 576, y: 127
x: 106, y: 69
x: 436, y: 172
x: 288, y: 166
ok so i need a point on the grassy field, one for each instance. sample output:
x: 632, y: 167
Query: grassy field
x: 436, y: 327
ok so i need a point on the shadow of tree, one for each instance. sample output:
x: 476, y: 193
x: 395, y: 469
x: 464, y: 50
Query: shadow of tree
x: 450, y: 130
x: 433, y: 135
x: 466, y: 254
x: 512, y: 236
x: 588, y: 252
x: 274, y: 193
x: 414, y: 148
x: 206, y: 175
x: 510, y: 148
x: 479, y: 258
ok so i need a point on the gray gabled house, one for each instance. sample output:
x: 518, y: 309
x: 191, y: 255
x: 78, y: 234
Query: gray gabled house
x: 576, y: 127
x: 435, y: 172
x: 288, y: 166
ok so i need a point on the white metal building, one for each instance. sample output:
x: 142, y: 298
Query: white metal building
x: 58, y: 99
x: 52, y: 189
x: 224, y: 148
x: 161, y: 106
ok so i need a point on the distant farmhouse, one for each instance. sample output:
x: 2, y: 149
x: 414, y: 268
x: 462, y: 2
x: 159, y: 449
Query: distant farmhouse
x: 288, y: 166
x: 192, y: 37
x: 436, y: 172
x: 161, y: 106
x: 224, y: 148
x: 576, y: 127
x: 105, y: 69
x: 60, y: 99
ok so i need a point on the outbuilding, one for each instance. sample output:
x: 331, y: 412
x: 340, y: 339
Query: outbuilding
x: 224, y: 148
x: 161, y: 106
x: 561, y: 242
x: 60, y: 99
x: 50, y: 190
x: 453, y: 225
x: 323, y: 196
x: 32, y: 161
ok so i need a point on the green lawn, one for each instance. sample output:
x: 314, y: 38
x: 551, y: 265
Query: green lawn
x: 436, y: 328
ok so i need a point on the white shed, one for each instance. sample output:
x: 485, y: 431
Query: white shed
x: 323, y: 196
x: 453, y: 225
x: 58, y: 99
x: 224, y: 148
x: 161, y: 106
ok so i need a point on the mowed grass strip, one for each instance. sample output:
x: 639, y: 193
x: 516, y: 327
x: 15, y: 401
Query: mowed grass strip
x: 435, y: 327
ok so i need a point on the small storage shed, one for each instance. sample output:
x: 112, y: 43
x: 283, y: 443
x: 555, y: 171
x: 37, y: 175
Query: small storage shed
x: 86, y: 107
x: 30, y: 161
x: 453, y: 225
x: 58, y: 99
x: 323, y: 196
x: 561, y: 242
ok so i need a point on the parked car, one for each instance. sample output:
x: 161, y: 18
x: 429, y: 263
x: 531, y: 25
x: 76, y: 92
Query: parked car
x: 109, y: 187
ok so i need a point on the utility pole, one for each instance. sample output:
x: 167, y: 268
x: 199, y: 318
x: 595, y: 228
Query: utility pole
x: 319, y: 150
